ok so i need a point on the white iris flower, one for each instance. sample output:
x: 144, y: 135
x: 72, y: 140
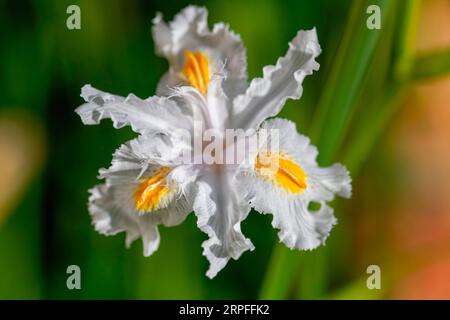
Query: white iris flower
x: 151, y: 182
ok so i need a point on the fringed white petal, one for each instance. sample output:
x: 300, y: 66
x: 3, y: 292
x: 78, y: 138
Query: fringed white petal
x: 144, y: 152
x: 301, y: 226
x: 151, y: 115
x: 112, y: 204
x: 110, y: 217
x: 189, y: 31
x: 266, y: 96
x: 220, y: 209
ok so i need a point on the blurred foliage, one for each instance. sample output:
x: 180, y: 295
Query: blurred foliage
x: 432, y: 65
x: 44, y: 65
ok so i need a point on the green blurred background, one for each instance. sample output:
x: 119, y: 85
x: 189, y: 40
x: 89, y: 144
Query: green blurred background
x: 379, y: 104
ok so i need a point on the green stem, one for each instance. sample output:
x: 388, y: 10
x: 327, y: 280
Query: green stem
x: 313, y: 277
x: 281, y: 268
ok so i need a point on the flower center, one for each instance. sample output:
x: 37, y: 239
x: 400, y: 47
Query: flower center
x: 152, y: 190
x: 281, y: 171
x: 196, y: 70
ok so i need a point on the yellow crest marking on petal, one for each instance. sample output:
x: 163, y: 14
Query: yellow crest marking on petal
x: 281, y: 171
x: 152, y: 190
x: 196, y: 70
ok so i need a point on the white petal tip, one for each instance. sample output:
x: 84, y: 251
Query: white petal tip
x: 88, y: 91
x: 158, y: 18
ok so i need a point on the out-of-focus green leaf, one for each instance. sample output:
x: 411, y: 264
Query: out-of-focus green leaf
x: 341, y: 90
x: 357, y: 290
x: 336, y: 105
x: 384, y: 108
x: 431, y: 65
x: 406, y: 39
x: 282, y: 265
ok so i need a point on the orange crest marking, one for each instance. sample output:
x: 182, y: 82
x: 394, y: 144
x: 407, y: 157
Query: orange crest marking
x: 281, y: 171
x: 196, y: 70
x: 152, y: 190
